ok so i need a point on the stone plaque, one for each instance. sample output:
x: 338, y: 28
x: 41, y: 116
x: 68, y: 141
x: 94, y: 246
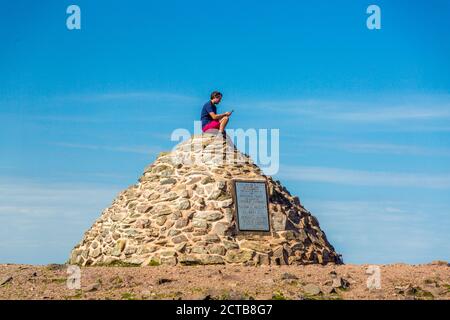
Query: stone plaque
x: 251, y: 204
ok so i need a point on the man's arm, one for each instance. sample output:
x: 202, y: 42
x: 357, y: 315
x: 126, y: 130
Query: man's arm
x: 219, y: 116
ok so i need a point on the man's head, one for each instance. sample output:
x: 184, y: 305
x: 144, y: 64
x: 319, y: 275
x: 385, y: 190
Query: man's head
x: 216, y: 96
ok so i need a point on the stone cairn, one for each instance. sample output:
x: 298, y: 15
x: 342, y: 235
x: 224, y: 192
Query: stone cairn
x: 182, y: 212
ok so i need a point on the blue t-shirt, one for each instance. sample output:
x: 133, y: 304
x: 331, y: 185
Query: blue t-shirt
x: 207, y: 108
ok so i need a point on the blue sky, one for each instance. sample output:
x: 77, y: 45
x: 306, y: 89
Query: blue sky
x: 364, y: 116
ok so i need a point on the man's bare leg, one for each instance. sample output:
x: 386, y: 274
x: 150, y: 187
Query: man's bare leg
x: 223, y: 124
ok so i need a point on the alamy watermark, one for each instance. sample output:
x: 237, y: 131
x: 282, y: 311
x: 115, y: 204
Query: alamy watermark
x: 261, y: 145
x: 374, y: 279
x: 73, y: 21
x: 373, y: 22
x: 74, y: 279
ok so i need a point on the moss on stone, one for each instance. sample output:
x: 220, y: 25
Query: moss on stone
x: 278, y: 295
x: 128, y: 296
x: 154, y: 263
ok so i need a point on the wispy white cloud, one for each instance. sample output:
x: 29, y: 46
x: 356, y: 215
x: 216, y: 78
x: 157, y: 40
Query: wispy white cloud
x: 378, y: 148
x: 369, y: 210
x: 384, y: 231
x: 126, y: 149
x: 365, y: 178
x: 47, y: 215
x: 101, y: 107
x: 362, y: 111
x: 392, y: 114
x: 22, y: 191
x: 98, y: 119
x: 156, y: 96
x: 6, y: 167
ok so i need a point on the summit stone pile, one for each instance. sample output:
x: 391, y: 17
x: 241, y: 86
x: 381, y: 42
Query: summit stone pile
x: 181, y: 211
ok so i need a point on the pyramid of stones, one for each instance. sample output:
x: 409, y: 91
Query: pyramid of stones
x: 181, y: 211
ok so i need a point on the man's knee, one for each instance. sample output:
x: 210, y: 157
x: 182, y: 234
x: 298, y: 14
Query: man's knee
x: 225, y: 118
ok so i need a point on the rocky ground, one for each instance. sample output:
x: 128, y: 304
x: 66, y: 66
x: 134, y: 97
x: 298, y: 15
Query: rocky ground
x: 398, y: 281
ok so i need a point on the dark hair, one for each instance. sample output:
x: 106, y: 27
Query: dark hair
x: 216, y: 94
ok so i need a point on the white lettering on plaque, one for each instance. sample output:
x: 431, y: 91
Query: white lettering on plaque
x: 251, y: 202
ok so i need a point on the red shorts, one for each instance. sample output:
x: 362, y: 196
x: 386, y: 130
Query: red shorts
x: 214, y: 124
